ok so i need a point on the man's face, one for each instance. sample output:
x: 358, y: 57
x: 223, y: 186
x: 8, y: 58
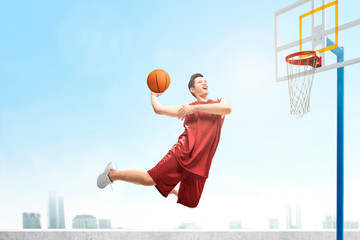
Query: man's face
x: 200, y: 87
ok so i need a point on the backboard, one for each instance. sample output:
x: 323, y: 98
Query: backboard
x: 311, y: 25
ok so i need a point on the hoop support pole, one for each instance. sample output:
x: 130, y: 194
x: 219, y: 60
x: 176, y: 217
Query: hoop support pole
x: 339, y: 52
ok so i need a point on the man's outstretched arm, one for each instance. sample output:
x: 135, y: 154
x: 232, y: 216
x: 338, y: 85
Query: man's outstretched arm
x: 171, y: 111
x: 221, y: 108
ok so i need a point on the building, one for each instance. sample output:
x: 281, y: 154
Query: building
x: 31, y: 221
x: 105, y: 223
x: 53, y: 216
x: 298, y: 217
x: 273, y: 223
x: 188, y: 226
x: 84, y: 222
x: 61, y: 212
x: 235, y: 225
x: 351, y: 224
x: 56, y: 214
x: 290, y: 218
x: 329, y: 222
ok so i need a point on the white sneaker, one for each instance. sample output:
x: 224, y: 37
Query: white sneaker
x: 103, y: 179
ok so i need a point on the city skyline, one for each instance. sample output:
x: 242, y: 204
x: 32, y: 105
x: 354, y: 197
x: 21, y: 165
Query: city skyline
x: 88, y: 221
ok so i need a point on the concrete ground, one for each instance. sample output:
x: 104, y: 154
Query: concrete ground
x: 173, y: 234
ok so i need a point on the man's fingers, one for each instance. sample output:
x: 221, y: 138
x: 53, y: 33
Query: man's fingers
x: 181, y: 115
x: 182, y: 112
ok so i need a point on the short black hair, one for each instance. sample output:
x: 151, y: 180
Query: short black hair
x: 192, y: 81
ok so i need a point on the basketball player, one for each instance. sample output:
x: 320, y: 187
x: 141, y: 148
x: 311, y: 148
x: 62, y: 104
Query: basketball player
x: 189, y: 160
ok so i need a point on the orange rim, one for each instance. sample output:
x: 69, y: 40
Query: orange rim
x: 312, y: 58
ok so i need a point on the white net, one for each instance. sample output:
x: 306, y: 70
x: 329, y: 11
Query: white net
x: 300, y: 80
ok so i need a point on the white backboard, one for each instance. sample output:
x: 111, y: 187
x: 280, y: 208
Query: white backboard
x: 315, y: 21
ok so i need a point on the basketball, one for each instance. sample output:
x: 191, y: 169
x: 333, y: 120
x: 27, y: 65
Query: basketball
x: 158, y: 81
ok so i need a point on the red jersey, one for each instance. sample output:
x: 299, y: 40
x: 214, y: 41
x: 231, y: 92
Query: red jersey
x: 196, y: 146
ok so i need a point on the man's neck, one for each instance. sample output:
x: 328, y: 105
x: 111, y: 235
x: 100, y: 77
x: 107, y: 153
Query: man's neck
x: 202, y: 98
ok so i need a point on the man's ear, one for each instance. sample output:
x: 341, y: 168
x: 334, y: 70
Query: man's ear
x: 192, y: 90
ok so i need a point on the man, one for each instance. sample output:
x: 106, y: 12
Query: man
x: 189, y: 160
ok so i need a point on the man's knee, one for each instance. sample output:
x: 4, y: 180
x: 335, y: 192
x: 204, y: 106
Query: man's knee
x: 148, y: 181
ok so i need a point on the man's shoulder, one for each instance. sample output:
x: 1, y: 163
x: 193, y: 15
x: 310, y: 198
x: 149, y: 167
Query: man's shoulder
x: 217, y: 100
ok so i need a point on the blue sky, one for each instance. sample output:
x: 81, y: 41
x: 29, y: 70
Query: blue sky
x: 73, y: 96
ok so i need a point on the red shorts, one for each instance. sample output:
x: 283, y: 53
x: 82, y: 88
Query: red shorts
x: 168, y: 173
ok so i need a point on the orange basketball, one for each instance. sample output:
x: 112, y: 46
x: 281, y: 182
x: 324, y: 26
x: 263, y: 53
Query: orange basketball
x: 158, y: 81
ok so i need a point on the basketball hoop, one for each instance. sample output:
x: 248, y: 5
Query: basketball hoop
x: 300, y: 70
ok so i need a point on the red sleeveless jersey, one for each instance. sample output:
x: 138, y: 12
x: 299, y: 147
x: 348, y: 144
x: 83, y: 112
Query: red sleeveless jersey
x: 196, y: 146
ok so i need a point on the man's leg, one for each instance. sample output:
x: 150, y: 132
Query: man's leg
x: 191, y: 189
x: 135, y: 176
x: 132, y: 176
x: 175, y: 192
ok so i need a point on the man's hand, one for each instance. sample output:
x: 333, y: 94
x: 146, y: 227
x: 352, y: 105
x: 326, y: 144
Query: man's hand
x: 155, y: 94
x: 184, y: 110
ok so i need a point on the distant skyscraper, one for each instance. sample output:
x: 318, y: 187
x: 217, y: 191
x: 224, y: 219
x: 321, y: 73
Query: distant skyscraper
x: 273, y: 223
x: 289, y: 217
x: 31, y: 221
x: 235, y: 225
x: 56, y: 215
x: 84, y: 222
x: 298, y: 216
x: 53, y: 215
x: 104, y: 223
x: 61, y: 212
